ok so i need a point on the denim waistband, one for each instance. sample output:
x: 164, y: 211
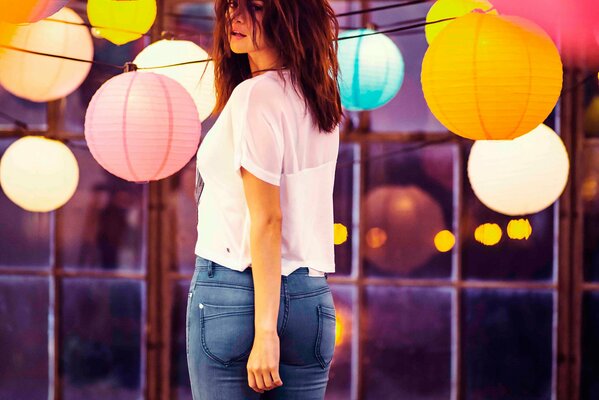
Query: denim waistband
x: 202, y: 262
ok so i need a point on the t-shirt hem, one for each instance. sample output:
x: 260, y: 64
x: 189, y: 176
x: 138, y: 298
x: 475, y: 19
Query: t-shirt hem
x: 286, y: 269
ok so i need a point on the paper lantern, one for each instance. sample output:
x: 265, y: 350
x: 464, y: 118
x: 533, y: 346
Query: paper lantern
x: 444, y: 241
x: 520, y: 176
x: 142, y: 126
x: 519, y: 229
x: 39, y: 174
x: 443, y: 9
x: 121, y: 21
x: 340, y: 233
x: 400, y: 223
x: 491, y: 77
x: 488, y: 234
x: 371, y: 70
x: 197, y: 78
x: 21, y: 11
x: 41, y: 78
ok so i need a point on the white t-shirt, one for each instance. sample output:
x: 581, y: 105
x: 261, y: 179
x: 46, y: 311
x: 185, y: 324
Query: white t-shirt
x: 266, y: 128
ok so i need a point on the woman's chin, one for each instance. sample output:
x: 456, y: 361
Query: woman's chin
x: 238, y: 50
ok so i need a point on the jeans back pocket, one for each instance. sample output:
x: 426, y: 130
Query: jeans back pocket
x: 227, y: 331
x: 325, y: 340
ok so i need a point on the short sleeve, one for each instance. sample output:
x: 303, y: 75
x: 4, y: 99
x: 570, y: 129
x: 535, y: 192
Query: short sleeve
x: 257, y: 131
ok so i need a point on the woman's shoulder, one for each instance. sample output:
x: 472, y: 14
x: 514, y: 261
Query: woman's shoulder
x: 264, y: 88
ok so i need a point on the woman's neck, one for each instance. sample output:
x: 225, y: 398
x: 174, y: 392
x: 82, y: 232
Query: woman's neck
x: 262, y: 61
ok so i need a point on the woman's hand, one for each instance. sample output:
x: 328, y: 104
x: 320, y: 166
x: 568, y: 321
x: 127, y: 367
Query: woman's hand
x: 263, y: 364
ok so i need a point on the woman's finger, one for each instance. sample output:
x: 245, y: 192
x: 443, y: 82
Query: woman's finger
x: 276, y: 379
x: 259, y: 380
x: 267, y: 379
x: 252, y: 382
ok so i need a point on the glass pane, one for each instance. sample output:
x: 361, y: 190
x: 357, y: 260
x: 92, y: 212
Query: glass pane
x: 179, y: 378
x: 24, y: 338
x: 103, y: 225
x: 183, y: 218
x: 105, y: 52
x: 343, y: 206
x: 31, y: 113
x: 103, y: 337
x: 26, y: 234
x: 591, y: 106
x: 509, y: 259
x: 589, y: 388
x: 340, y: 376
x: 194, y: 21
x: 407, y: 111
x: 590, y: 201
x: 507, y: 344
x: 407, y: 343
x: 408, y: 202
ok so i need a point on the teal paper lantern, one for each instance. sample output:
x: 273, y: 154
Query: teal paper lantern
x: 371, y: 70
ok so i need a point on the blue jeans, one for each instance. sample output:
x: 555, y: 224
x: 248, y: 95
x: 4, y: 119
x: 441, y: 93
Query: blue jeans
x: 220, y: 334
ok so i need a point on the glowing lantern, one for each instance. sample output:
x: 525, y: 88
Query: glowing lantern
x: 371, y: 70
x: 444, y: 241
x: 142, y: 126
x: 519, y: 229
x: 491, y: 77
x: 399, y: 222
x: 488, y: 234
x: 121, y: 21
x: 197, y: 78
x: 520, y: 176
x: 443, y: 9
x: 39, y: 174
x: 21, y: 11
x: 340, y: 232
x: 41, y: 78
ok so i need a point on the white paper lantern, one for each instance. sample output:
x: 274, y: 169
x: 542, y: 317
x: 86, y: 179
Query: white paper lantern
x: 197, y: 78
x: 39, y: 174
x: 41, y: 78
x: 142, y: 126
x: 520, y: 176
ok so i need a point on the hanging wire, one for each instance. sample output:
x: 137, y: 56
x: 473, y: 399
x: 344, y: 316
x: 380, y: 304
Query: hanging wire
x: 381, y: 8
x: 394, y: 30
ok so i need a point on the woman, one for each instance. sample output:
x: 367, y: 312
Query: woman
x: 260, y: 314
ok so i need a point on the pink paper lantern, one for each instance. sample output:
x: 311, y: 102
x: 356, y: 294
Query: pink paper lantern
x: 142, y: 126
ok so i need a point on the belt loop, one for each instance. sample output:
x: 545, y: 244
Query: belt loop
x: 210, y: 269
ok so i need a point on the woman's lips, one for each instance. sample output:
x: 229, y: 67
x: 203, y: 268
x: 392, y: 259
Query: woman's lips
x: 237, y: 35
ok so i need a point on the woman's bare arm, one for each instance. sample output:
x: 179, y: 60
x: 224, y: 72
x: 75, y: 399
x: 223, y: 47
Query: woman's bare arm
x: 265, y: 248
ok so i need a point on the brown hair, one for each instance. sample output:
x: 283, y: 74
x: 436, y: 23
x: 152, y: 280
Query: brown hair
x: 304, y: 33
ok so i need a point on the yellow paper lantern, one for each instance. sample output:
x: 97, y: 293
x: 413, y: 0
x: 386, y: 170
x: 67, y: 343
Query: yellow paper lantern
x: 197, y: 78
x: 20, y: 11
x: 488, y: 234
x: 519, y: 229
x: 121, y: 21
x: 520, y: 176
x: 491, y: 77
x: 42, y: 78
x: 443, y: 9
x: 38, y: 174
x: 340, y: 233
x: 444, y: 241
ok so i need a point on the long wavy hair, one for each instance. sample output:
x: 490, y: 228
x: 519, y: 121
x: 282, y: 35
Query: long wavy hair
x: 304, y: 33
